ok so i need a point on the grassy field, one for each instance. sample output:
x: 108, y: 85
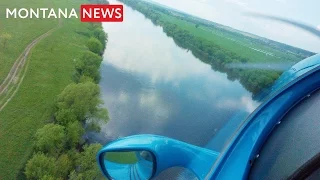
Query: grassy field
x: 232, y: 43
x: 23, y: 31
x: 50, y: 67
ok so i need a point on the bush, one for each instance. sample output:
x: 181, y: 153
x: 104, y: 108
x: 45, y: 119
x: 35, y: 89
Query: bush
x: 78, y: 102
x: 74, y: 133
x: 50, y: 139
x: 87, y: 164
x: 44, y: 167
x: 40, y: 167
x: 88, y: 65
x: 101, y: 36
x: 63, y: 166
x: 95, y: 45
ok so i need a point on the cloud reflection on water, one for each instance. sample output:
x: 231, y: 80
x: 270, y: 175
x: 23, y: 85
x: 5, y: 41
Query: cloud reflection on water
x: 150, y: 85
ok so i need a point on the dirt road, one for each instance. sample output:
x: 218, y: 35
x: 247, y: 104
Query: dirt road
x: 12, y: 82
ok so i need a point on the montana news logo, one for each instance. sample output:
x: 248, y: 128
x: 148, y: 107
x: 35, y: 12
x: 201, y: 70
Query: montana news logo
x: 88, y: 13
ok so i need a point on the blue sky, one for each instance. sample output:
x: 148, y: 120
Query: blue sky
x: 231, y: 13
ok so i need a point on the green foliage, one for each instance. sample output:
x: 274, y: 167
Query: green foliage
x: 88, y: 65
x: 99, y: 34
x: 100, y: 115
x: 84, y: 79
x: 48, y: 177
x: 63, y: 166
x: 51, y: 63
x: 40, y: 166
x: 74, y: 133
x: 87, y: 167
x: 95, y: 45
x: 44, y: 167
x: 77, y: 102
x: 87, y: 164
x: 74, y: 176
x: 93, y: 26
x: 50, y: 139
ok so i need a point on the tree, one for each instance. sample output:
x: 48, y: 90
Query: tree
x: 44, y: 167
x: 50, y: 139
x: 63, y: 166
x: 88, y: 65
x: 78, y: 102
x: 74, y: 133
x: 39, y: 167
x: 48, y: 177
x: 100, y: 114
x: 101, y: 36
x: 84, y: 79
x: 87, y: 164
x: 95, y: 45
x: 5, y: 37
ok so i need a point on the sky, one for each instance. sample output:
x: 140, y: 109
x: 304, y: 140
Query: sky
x: 233, y: 13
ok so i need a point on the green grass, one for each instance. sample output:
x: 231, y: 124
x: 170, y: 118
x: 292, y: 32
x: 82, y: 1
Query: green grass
x: 51, y: 65
x: 231, y: 43
x: 23, y: 31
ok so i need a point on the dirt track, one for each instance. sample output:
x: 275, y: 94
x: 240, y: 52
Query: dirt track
x: 13, y: 78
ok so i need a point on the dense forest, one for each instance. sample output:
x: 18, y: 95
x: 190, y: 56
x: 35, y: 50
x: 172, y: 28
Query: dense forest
x: 254, y: 80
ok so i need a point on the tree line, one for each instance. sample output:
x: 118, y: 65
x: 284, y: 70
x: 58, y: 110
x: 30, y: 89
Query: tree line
x: 60, y: 150
x: 254, y: 80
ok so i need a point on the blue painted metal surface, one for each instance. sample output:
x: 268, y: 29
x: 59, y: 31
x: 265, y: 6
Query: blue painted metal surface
x: 248, y: 139
x: 235, y: 159
x: 297, y: 70
x: 143, y: 169
x: 168, y: 153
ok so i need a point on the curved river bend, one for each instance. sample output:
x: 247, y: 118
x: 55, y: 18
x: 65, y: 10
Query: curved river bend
x: 152, y: 86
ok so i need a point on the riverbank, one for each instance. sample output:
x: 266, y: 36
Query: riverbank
x: 51, y: 67
x: 214, y: 45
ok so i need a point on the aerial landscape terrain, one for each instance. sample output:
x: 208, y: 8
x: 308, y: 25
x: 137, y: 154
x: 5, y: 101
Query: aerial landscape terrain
x: 220, y: 45
x: 50, y: 94
x: 39, y: 58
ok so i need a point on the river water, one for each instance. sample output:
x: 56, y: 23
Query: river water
x: 152, y: 86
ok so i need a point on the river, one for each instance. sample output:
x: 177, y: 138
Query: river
x: 152, y: 86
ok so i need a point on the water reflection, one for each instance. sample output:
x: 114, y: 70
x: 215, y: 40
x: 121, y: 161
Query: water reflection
x: 150, y: 85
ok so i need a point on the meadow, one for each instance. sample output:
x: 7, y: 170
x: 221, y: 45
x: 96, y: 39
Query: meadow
x: 233, y: 43
x: 50, y: 67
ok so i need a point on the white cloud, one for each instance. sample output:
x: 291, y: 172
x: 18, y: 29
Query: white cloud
x: 240, y: 3
x: 202, y: 1
x: 281, y: 1
x: 234, y: 103
x: 170, y: 66
x: 318, y: 27
x: 123, y: 97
